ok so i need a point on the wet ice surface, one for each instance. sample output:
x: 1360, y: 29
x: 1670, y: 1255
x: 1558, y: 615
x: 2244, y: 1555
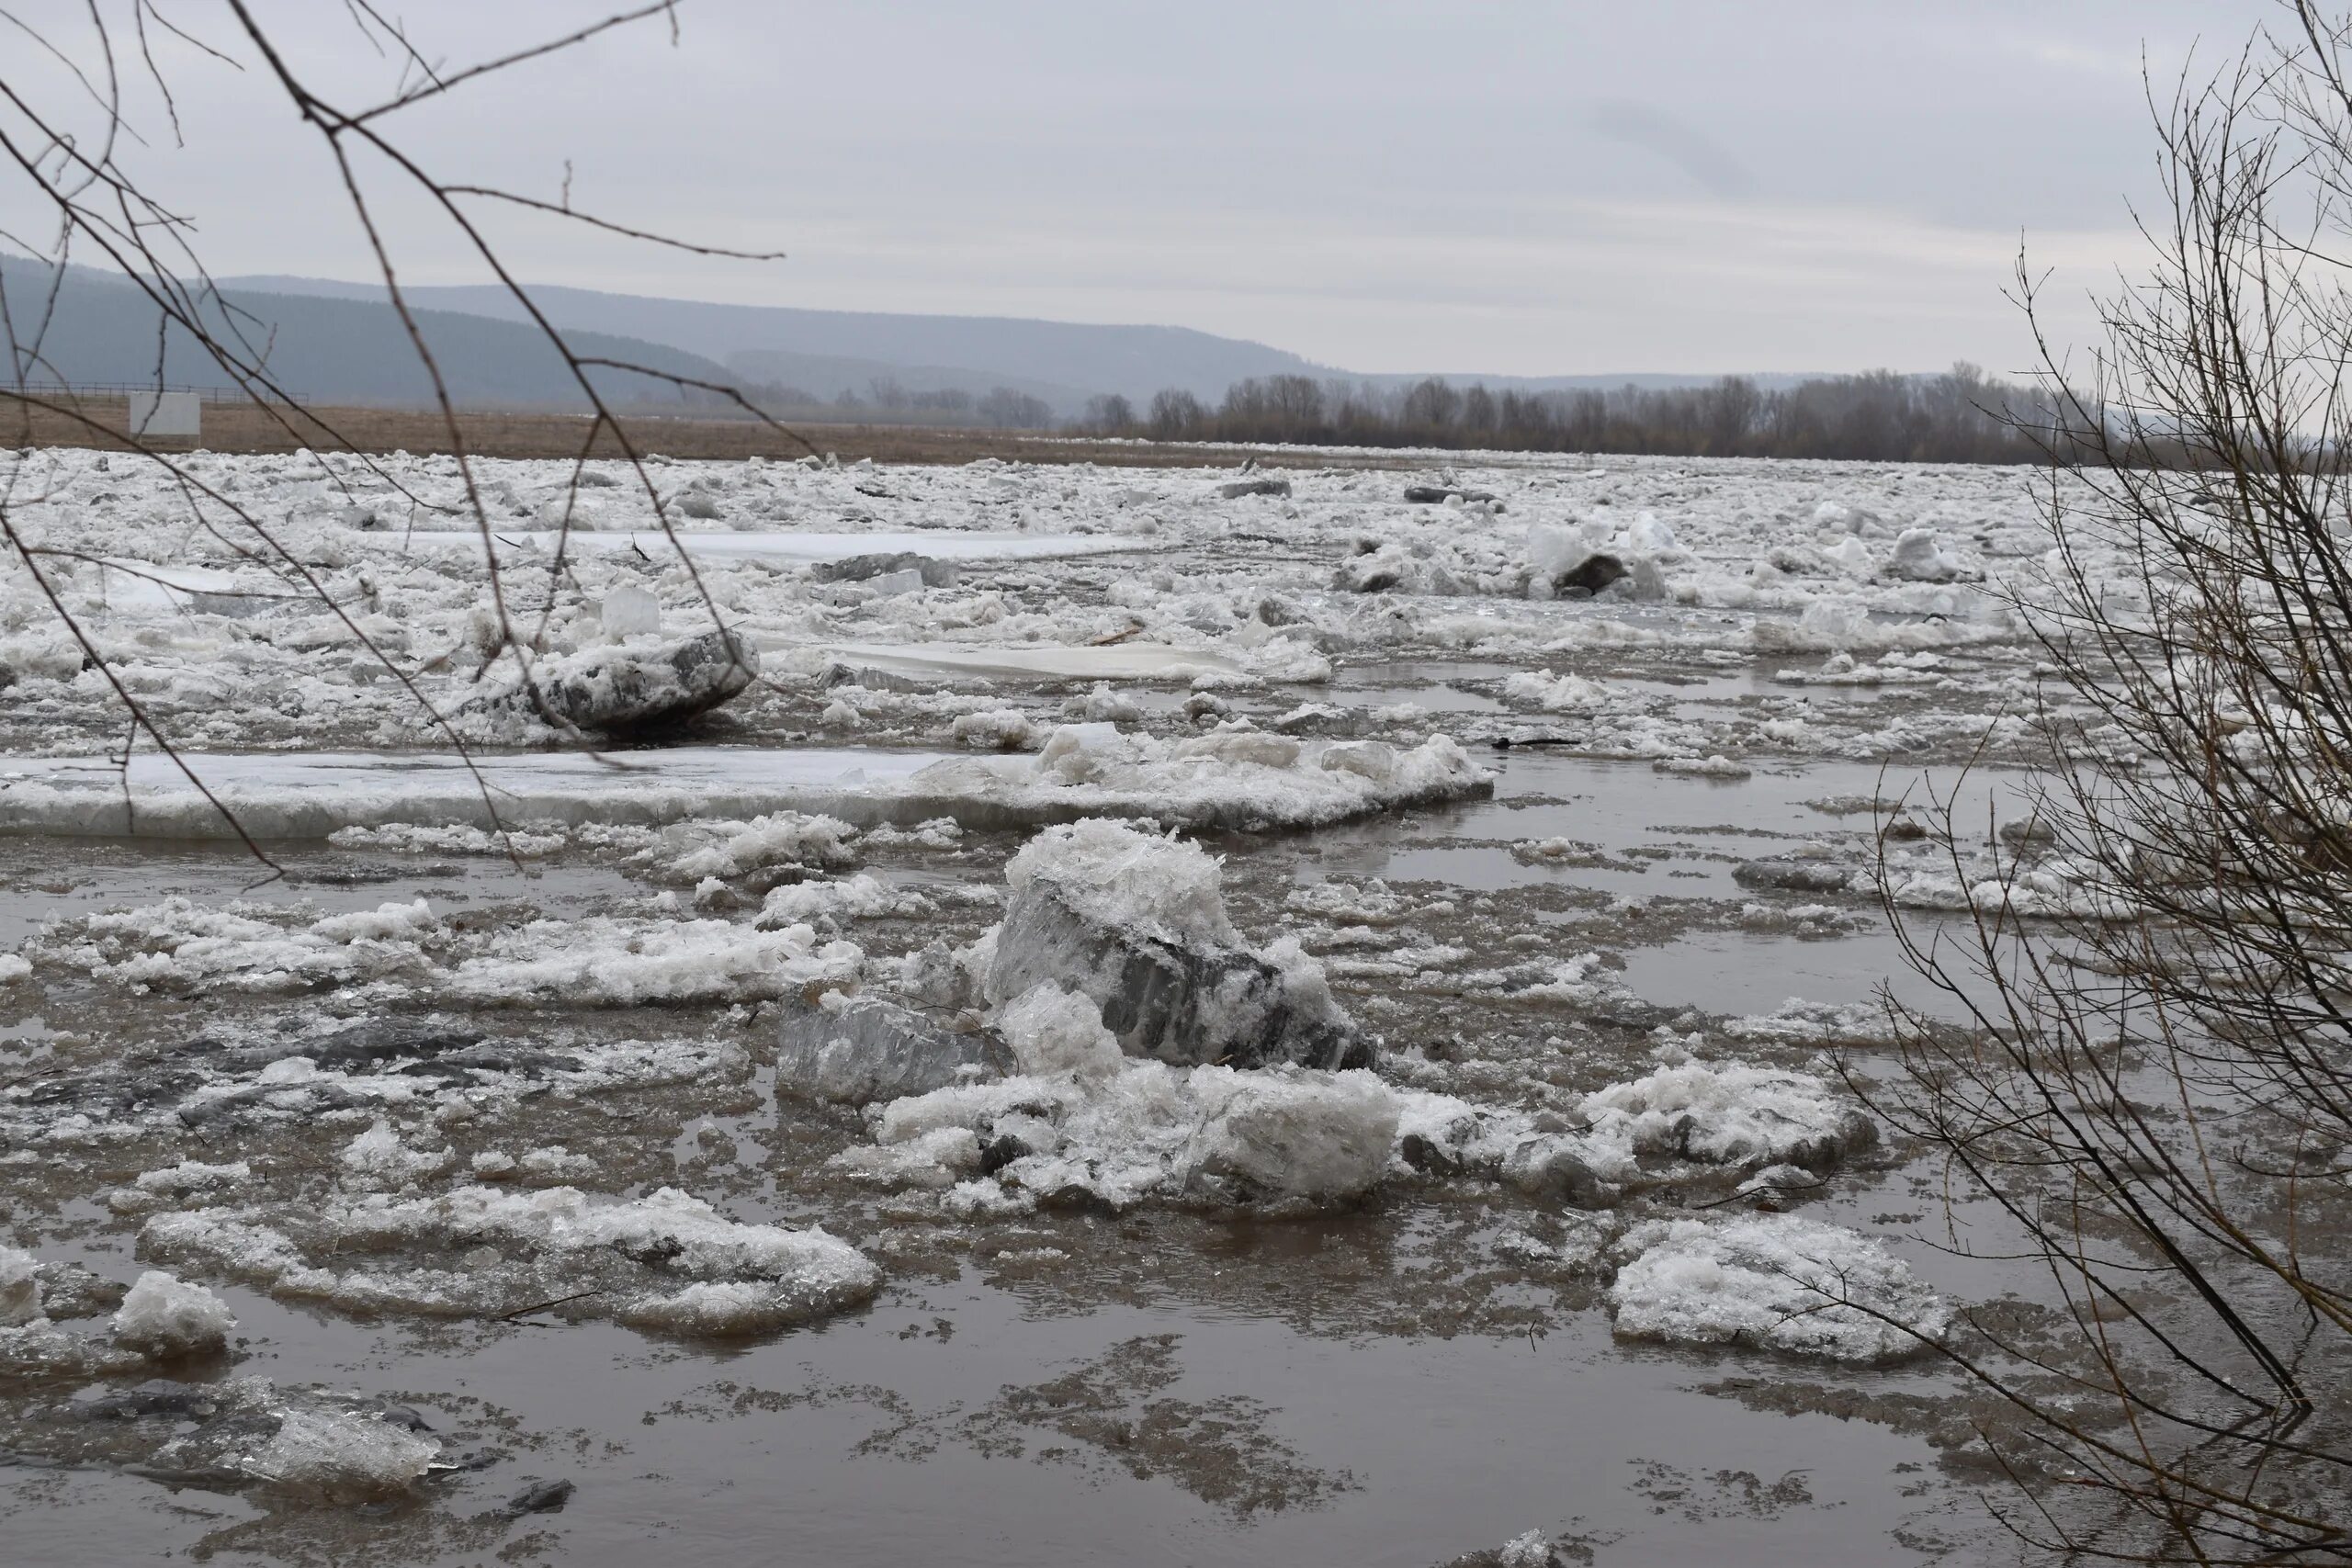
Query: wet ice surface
x: 1424, y: 1372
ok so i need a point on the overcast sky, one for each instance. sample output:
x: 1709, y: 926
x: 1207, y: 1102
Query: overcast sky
x: 1457, y: 184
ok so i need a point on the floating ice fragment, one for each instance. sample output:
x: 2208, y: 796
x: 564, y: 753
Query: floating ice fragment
x: 1714, y: 767
x: 1104, y: 706
x: 343, y: 1457
x: 784, y: 545
x: 194, y: 1175
x: 550, y: 1240
x: 1000, y: 729
x: 1304, y: 1137
x: 163, y: 1316
x: 1919, y: 558
x: 19, y: 1288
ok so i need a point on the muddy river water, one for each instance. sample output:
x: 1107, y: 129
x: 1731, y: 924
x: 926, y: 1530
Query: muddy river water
x: 1221, y: 1402
x: 447, y: 1121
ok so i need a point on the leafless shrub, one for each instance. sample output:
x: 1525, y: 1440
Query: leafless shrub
x: 2157, y: 1091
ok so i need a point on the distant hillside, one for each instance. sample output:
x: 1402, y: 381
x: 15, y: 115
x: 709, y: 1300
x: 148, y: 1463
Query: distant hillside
x: 327, y: 350
x: 828, y: 352
x: 341, y: 343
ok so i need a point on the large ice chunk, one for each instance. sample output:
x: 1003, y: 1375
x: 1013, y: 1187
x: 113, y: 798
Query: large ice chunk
x: 689, y: 851
x: 1137, y: 922
x: 716, y: 1309
x: 400, y: 951
x: 787, y: 545
x: 1651, y: 537
x: 378, y: 1155
x: 1054, y: 1031
x: 1234, y: 777
x: 1112, y: 874
x: 928, y: 571
x: 620, y: 688
x: 1921, y: 558
x: 1573, y: 555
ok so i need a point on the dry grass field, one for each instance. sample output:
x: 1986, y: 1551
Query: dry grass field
x: 245, y: 428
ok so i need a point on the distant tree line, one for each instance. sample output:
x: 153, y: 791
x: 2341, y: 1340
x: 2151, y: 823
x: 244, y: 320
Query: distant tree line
x: 1960, y: 416
x: 885, y: 402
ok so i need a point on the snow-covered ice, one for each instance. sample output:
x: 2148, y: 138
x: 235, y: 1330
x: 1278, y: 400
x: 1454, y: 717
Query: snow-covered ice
x: 797, y: 547
x: 1732, y: 1114
x: 632, y: 1255
x: 411, y: 953
x: 1779, y: 1281
x: 312, y: 794
x: 1124, y: 661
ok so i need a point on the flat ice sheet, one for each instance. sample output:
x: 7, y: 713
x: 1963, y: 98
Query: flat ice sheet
x: 1122, y: 661
x: 142, y: 586
x: 311, y: 794
x: 796, y: 546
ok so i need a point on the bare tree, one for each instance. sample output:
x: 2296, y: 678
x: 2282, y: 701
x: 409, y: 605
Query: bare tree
x: 1108, y: 413
x: 1176, y: 415
x: 1005, y: 408
x: 61, y: 161
x: 2156, y: 1089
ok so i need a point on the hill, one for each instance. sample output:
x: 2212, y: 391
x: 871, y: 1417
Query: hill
x: 324, y: 349
x: 829, y: 351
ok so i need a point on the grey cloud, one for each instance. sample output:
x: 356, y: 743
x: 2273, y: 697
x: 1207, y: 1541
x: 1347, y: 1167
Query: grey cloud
x: 1710, y: 164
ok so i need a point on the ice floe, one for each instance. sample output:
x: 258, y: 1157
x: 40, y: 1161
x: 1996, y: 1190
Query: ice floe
x: 647, y: 1260
x: 410, y: 952
x: 1776, y: 1281
x: 1234, y: 778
